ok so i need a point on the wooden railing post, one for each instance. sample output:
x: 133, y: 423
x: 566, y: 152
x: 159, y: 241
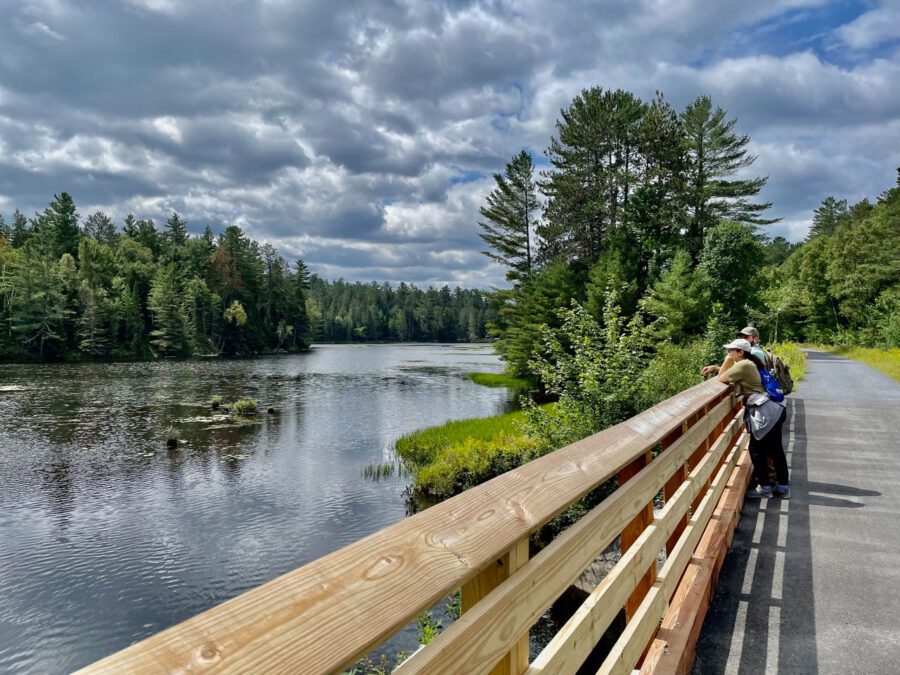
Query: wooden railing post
x: 516, y: 661
x: 633, y: 530
x: 669, y: 490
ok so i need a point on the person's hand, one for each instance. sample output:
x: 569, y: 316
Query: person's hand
x: 709, y: 370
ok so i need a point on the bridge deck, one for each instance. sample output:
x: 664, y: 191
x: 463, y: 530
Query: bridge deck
x: 813, y: 584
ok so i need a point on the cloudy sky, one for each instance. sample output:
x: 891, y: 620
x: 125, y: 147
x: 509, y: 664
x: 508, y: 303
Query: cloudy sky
x: 361, y: 136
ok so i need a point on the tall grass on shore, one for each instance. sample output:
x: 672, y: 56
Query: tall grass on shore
x: 421, y: 447
x: 447, y: 459
x: 499, y: 380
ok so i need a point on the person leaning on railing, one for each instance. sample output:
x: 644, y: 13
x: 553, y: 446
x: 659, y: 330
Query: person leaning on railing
x: 763, y: 417
x: 751, y: 335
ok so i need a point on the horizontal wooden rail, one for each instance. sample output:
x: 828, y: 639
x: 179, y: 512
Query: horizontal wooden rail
x: 574, y: 642
x: 324, y: 616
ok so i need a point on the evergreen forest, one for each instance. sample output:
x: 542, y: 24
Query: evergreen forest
x: 638, y: 206
x: 86, y: 289
x: 654, y: 212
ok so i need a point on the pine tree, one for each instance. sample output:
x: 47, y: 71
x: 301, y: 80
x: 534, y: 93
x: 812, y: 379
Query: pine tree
x: 715, y: 152
x: 58, y: 227
x: 301, y: 274
x: 510, y: 217
x: 144, y: 232
x: 170, y: 335
x: 655, y: 209
x: 100, y: 226
x: 5, y: 229
x: 176, y: 230
x: 522, y: 310
x: 778, y: 250
x: 38, y: 309
x: 596, y: 162
x: 828, y: 216
x: 680, y: 299
x: 128, y: 316
x: 93, y: 322
x: 21, y: 231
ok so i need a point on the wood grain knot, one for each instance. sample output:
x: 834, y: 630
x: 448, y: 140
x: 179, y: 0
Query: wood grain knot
x: 385, y: 565
x: 208, y: 653
x: 486, y: 514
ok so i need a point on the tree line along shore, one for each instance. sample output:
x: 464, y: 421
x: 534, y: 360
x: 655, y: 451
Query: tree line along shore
x: 73, y: 289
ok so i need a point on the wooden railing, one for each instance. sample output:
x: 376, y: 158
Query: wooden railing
x: 324, y: 616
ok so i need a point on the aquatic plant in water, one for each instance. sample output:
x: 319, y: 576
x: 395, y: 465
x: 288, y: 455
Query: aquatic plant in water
x: 245, y: 406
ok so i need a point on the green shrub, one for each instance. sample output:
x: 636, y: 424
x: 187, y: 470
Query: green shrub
x: 216, y: 402
x: 594, y: 369
x: 245, y: 406
x: 673, y: 369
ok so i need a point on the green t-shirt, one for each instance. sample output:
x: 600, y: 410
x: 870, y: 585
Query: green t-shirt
x: 746, y: 376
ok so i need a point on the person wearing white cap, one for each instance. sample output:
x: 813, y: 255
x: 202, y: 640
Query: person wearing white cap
x: 762, y: 417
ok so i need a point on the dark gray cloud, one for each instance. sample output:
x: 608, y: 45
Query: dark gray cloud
x: 362, y: 135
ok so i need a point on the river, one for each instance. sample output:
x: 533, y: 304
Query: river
x: 107, y: 537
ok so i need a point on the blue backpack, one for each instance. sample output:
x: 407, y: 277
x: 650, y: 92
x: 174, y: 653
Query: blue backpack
x: 773, y: 389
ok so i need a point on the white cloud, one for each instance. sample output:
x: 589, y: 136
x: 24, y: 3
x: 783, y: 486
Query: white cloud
x: 873, y: 28
x: 363, y: 136
x: 41, y: 29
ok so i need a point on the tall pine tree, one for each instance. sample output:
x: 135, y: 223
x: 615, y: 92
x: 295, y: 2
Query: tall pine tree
x: 715, y: 152
x: 596, y: 160
x: 826, y: 218
x: 510, y: 217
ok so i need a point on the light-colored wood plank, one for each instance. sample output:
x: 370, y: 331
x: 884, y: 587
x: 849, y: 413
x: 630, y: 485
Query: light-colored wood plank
x: 516, y: 661
x: 480, y: 637
x: 672, y: 651
x: 573, y: 643
x: 640, y: 630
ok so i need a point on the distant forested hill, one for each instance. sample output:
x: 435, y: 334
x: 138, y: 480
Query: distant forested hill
x: 357, y: 312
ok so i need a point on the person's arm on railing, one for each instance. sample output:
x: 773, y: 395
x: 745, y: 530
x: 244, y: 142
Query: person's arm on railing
x: 726, y: 364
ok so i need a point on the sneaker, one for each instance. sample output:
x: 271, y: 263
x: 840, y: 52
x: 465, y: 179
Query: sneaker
x: 783, y: 491
x: 760, y: 492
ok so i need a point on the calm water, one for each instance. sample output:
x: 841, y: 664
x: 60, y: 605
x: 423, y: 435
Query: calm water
x: 106, y: 537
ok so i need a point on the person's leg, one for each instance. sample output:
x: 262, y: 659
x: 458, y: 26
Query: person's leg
x: 776, y: 452
x: 758, y: 456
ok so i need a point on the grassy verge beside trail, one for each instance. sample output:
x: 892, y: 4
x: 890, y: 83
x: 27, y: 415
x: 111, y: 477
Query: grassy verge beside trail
x: 886, y: 361
x: 499, y: 380
x: 793, y: 355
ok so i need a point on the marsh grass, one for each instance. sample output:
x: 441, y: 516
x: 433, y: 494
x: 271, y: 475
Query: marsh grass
x: 244, y: 406
x: 421, y: 447
x: 500, y: 380
x: 448, y: 459
x: 377, y: 471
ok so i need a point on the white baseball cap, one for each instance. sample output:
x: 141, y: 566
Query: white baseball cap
x: 743, y: 345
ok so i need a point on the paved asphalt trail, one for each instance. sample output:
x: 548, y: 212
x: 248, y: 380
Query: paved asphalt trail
x: 812, y: 585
